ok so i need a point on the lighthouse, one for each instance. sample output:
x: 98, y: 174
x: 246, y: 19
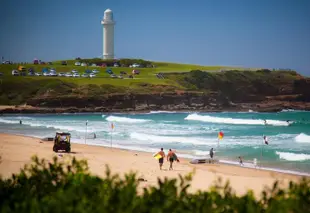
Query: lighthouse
x: 108, y: 34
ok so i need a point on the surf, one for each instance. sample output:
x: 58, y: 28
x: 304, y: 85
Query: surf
x: 239, y: 121
x: 289, y: 156
x: 119, y: 119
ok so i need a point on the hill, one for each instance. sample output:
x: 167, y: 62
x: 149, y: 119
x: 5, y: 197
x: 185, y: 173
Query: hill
x: 178, y: 87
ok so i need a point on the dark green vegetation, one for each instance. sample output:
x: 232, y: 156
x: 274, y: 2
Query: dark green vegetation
x: 57, y: 187
x: 231, y: 84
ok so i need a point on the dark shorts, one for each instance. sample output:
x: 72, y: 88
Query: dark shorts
x: 171, y: 160
x: 161, y: 160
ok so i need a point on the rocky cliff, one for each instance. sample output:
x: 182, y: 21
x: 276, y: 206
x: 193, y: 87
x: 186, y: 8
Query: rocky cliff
x: 200, y: 91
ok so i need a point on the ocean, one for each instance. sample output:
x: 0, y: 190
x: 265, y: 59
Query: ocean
x: 191, y: 134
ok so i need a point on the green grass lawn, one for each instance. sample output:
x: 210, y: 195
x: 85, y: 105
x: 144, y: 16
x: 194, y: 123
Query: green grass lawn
x: 147, y: 75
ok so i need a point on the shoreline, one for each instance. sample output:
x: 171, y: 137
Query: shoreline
x: 16, y: 152
x: 187, y: 158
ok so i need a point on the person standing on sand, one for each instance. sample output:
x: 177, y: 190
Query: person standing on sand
x: 161, y: 160
x: 211, y: 155
x: 170, y: 158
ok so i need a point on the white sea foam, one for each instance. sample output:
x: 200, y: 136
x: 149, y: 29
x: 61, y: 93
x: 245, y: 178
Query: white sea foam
x: 170, y: 139
x: 302, y: 138
x: 126, y: 120
x: 212, y: 119
x: 293, y: 156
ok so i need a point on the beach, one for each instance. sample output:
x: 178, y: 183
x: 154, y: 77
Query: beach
x: 16, y: 151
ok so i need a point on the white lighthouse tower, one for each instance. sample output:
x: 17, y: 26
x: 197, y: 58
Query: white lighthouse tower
x: 108, y: 34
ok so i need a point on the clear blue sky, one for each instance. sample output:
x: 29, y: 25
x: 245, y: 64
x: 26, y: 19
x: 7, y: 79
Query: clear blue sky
x: 248, y: 33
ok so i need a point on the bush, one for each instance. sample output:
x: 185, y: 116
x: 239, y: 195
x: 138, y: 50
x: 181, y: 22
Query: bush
x: 58, y: 187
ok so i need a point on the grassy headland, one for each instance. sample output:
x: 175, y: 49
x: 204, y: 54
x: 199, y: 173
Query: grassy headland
x: 227, y: 83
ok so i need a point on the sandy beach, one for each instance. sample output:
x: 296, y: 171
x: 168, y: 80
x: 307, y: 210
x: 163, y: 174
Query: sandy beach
x: 16, y: 151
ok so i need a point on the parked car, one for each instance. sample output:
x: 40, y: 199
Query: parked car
x: 123, y: 73
x: 88, y: 71
x: 46, y: 74
x: 75, y: 75
x: 94, y: 65
x: 116, y: 65
x: 109, y: 71
x: 63, y: 63
x: 135, y: 65
x: 31, y: 73
x: 37, y: 74
x: 61, y: 74
x: 83, y: 64
x: 120, y: 76
x: 77, y: 63
x: 85, y: 75
x: 95, y: 71
x: 74, y: 71
x: 113, y: 76
x: 7, y: 62
x: 15, y: 73
x: 92, y: 75
x: 68, y: 74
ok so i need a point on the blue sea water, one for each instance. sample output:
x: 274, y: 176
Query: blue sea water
x: 190, y: 134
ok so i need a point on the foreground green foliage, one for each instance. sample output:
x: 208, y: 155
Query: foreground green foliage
x: 58, y: 187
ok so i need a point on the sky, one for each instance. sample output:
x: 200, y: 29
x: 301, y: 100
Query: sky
x: 243, y: 33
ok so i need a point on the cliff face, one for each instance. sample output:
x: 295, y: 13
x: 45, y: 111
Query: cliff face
x: 231, y: 90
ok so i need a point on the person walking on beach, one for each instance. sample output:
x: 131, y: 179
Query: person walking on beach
x: 20, y: 122
x: 170, y: 158
x: 161, y: 160
x: 240, y: 161
x: 211, y: 155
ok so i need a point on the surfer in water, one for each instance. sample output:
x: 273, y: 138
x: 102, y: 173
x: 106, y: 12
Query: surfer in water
x: 265, y: 122
x: 161, y: 160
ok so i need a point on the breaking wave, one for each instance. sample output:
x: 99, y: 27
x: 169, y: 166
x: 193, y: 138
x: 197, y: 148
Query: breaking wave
x: 169, y: 139
x: 212, y: 119
x: 126, y: 120
x: 302, y: 138
x: 293, y: 156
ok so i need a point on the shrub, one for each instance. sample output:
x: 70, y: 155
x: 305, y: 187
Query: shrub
x: 60, y: 187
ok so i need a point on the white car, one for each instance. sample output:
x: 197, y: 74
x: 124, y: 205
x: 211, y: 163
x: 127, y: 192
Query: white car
x: 83, y: 64
x: 77, y: 63
x: 94, y: 65
x: 68, y: 75
x: 75, y: 75
x: 46, y: 74
x: 74, y: 71
x: 53, y: 73
x: 95, y: 71
x: 37, y: 74
x: 61, y: 74
x: 92, y: 75
x: 15, y: 73
x: 85, y: 75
